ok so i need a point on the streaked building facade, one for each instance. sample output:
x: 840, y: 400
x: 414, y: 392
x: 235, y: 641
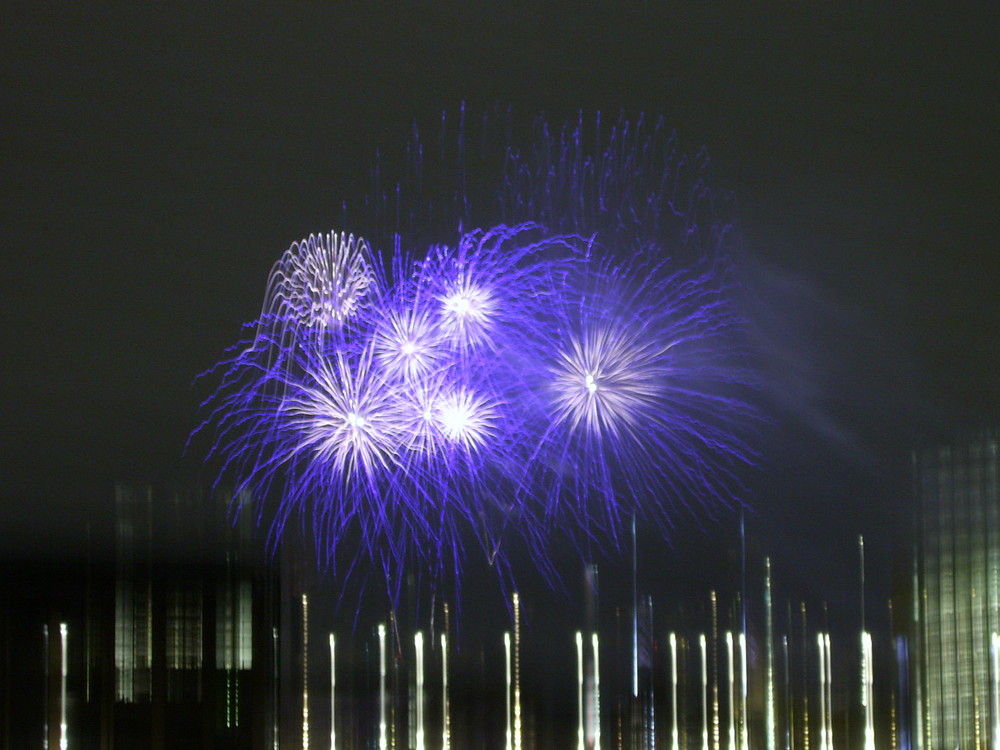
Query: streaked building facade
x: 956, y: 608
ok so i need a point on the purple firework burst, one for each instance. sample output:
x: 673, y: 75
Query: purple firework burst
x: 400, y: 432
x: 642, y: 396
x: 561, y: 373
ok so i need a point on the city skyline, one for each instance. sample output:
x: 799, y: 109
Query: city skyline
x: 159, y: 161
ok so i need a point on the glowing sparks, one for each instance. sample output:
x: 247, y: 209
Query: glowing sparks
x: 407, y: 343
x: 603, y: 381
x: 321, y: 281
x: 521, y: 377
x: 346, y: 415
x: 465, y: 418
x: 468, y: 311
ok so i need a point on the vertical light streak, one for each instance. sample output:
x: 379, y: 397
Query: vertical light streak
x: 45, y: 691
x: 744, y: 728
x: 274, y: 697
x: 822, y: 693
x: 510, y: 734
x: 579, y: 691
x: 716, y: 721
x: 305, y: 672
x: 418, y: 644
x: 867, y: 692
x: 996, y: 690
x: 445, y: 708
x: 383, y: 739
x: 866, y: 659
x: 805, y: 681
x: 63, y: 739
x: 826, y: 691
x: 517, y: 671
x: 789, y: 710
x: 635, y: 617
x: 829, y: 693
x: 769, y: 623
x: 674, y: 733
x: 732, y: 692
x: 597, y: 692
x: 333, y: 692
x: 704, y: 691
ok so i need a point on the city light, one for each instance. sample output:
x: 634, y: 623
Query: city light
x: 333, y: 692
x: 770, y: 728
x: 581, y: 743
x: 418, y: 645
x: 507, y: 689
x: 445, y: 708
x: 704, y: 691
x: 597, y: 693
x: 275, y: 737
x: 996, y: 690
x: 689, y: 672
x: 674, y: 731
x: 825, y: 692
x: 305, y: 672
x: 63, y: 736
x: 517, y: 671
x: 829, y: 693
x: 823, y: 737
x: 744, y: 689
x: 868, y: 690
x: 383, y: 737
x: 732, y: 692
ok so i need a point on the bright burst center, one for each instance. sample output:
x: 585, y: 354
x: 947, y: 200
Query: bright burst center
x: 604, y: 381
x: 460, y: 305
x: 464, y: 418
x: 405, y: 344
x: 324, y: 279
x: 467, y: 313
x: 456, y: 419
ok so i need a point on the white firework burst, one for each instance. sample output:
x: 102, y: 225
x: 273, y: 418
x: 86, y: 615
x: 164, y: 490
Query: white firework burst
x: 407, y: 343
x: 465, y: 418
x: 321, y: 281
x: 346, y: 415
x: 468, y: 310
x: 606, y: 381
x: 420, y: 431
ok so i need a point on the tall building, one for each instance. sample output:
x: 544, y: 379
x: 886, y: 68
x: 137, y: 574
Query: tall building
x: 161, y: 638
x: 956, y: 599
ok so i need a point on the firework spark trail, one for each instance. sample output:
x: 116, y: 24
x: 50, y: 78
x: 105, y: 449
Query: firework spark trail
x: 493, y: 280
x: 320, y: 283
x: 559, y: 373
x: 394, y: 432
x: 640, y: 390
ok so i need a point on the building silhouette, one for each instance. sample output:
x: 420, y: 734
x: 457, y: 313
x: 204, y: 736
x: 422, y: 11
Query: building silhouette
x: 160, y: 639
x: 951, y: 644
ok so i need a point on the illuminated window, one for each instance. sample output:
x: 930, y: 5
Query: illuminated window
x: 234, y: 625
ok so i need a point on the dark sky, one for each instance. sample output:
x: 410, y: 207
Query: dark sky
x: 156, y: 161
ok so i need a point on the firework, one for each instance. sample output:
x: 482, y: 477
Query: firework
x: 578, y: 365
x: 320, y: 283
x: 494, y: 280
x: 398, y: 432
x: 642, y: 384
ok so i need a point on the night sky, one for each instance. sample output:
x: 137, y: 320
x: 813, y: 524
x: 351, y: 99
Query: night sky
x: 156, y: 161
